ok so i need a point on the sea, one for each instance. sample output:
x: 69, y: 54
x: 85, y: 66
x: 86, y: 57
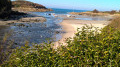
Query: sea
x: 36, y: 33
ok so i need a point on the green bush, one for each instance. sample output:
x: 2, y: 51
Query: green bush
x: 89, y: 48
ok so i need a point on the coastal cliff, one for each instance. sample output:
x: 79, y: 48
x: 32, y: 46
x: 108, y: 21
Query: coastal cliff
x: 28, y: 6
x: 5, y: 8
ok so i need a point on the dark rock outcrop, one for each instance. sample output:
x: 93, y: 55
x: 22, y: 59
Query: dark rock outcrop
x: 5, y: 8
x: 27, y: 4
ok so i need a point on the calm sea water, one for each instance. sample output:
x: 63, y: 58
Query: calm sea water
x: 65, y: 11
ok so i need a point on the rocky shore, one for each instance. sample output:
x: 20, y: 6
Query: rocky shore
x: 21, y: 17
x: 23, y: 20
x: 90, y: 13
x: 18, y: 12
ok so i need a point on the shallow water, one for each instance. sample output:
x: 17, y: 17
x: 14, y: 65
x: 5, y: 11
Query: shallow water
x: 37, y: 32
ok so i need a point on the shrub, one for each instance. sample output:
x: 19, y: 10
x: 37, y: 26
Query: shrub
x: 89, y: 48
x: 115, y: 23
x: 113, y: 12
x: 5, y: 47
x: 95, y: 11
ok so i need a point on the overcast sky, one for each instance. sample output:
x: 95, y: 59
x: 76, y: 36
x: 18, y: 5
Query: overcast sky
x: 102, y: 5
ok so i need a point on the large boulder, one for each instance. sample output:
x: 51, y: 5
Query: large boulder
x: 5, y: 8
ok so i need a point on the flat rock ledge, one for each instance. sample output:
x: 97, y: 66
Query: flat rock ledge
x: 33, y: 19
x: 24, y: 20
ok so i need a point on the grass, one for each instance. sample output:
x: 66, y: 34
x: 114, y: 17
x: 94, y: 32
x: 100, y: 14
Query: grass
x: 5, y: 47
x: 89, y: 48
x: 115, y: 23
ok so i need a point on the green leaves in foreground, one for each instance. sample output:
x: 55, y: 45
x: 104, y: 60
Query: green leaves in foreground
x: 89, y: 48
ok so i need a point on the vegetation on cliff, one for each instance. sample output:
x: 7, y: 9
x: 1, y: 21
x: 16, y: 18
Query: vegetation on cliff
x: 28, y: 6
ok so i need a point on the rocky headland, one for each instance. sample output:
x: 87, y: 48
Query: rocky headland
x: 89, y: 13
x: 97, y: 13
x: 18, y: 12
x: 28, y: 6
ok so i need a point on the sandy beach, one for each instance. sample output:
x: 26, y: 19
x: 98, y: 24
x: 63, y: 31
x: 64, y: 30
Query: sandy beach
x: 70, y: 28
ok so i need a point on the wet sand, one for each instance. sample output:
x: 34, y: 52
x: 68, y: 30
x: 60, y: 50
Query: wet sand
x: 70, y: 28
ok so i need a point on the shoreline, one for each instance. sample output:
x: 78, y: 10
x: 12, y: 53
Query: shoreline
x: 70, y: 28
x: 69, y: 25
x: 26, y: 18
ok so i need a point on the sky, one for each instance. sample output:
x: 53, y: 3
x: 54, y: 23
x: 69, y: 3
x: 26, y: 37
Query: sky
x: 102, y: 5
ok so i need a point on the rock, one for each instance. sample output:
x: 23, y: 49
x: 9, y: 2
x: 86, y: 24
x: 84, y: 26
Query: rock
x: 57, y: 32
x: 21, y: 25
x: 33, y: 19
x: 5, y: 8
x: 10, y: 23
x: 49, y: 14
